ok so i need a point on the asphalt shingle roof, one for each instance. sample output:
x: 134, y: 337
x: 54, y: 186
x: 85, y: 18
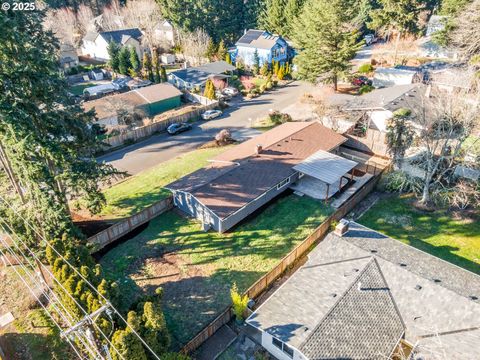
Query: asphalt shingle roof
x: 364, y: 323
x: 192, y: 75
x: 120, y: 36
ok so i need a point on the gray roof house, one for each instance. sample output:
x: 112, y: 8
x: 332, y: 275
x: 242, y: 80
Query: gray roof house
x: 95, y: 45
x: 196, y: 77
x: 248, y: 176
x: 364, y: 295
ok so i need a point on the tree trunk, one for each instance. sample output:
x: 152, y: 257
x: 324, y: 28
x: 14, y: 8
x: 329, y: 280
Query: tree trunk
x: 11, y: 175
x: 335, y: 82
x: 397, y: 40
x: 426, y: 189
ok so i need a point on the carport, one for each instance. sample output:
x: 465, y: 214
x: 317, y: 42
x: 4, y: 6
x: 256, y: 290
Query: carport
x: 322, y: 173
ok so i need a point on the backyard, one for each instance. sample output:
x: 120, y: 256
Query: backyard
x: 196, y: 269
x: 78, y: 89
x: 452, y: 236
x: 137, y: 192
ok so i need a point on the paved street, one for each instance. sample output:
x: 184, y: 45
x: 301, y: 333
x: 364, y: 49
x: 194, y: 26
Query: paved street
x: 237, y: 119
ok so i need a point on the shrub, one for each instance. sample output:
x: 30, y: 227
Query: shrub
x: 365, y: 68
x: 239, y: 302
x: 268, y: 85
x: 399, y: 181
x: 263, y: 87
x: 365, y: 89
x: 278, y: 118
x: 275, y: 83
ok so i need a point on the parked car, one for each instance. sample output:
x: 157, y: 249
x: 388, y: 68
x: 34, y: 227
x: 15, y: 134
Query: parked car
x: 361, y: 80
x: 370, y: 39
x: 175, y: 129
x: 230, y: 91
x: 222, y: 97
x: 211, y: 114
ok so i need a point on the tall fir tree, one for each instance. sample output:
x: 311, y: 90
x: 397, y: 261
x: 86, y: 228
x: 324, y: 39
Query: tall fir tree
x: 156, y: 66
x: 124, y: 64
x: 221, y: 50
x: 326, y: 42
x: 147, y: 67
x: 256, y: 63
x: 292, y: 10
x: 134, y: 61
x: 273, y: 18
x: 113, y: 50
x: 163, y: 74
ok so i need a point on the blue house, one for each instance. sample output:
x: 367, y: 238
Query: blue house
x: 269, y: 47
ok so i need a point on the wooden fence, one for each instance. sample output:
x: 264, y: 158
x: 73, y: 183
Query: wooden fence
x: 123, y: 227
x: 146, y: 131
x: 300, y: 250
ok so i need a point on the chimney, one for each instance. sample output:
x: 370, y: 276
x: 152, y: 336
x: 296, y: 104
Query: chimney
x: 258, y: 149
x: 342, y: 227
x: 185, y: 65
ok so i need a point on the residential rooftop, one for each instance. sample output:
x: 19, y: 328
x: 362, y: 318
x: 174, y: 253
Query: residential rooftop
x: 259, y: 39
x: 240, y: 175
x: 339, y: 304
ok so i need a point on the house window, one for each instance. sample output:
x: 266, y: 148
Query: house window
x: 283, y: 183
x: 284, y: 347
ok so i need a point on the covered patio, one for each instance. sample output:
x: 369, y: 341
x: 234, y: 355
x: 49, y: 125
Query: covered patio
x: 323, y: 174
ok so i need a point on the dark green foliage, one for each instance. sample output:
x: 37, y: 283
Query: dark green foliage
x: 147, y: 67
x: 278, y: 117
x: 399, y: 135
x: 365, y: 89
x: 163, y: 74
x: 124, y: 64
x: 398, y: 15
x: 157, y: 77
x: 256, y: 63
x: 134, y: 61
x: 274, y: 18
x: 326, y: 42
x: 114, y: 53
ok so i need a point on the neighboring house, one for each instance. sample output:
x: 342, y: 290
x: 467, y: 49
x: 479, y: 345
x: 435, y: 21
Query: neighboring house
x: 248, y: 176
x: 196, y: 77
x: 96, y: 74
x: 427, y: 45
x: 68, y: 57
x: 95, y: 45
x: 399, y: 75
x: 364, y: 295
x: 148, y: 101
x: 435, y: 23
x: 99, y: 90
x: 452, y: 77
x: 164, y: 32
x: 269, y: 47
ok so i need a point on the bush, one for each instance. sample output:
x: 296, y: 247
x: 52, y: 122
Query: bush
x: 239, y: 302
x: 402, y: 112
x: 275, y: 83
x: 399, y: 181
x: 365, y: 68
x: 268, y: 85
x: 278, y: 118
x: 263, y: 87
x: 365, y: 89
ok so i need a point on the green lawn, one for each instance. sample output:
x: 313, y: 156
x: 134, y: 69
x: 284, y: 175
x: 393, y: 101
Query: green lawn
x: 438, y: 233
x: 144, y: 189
x: 78, y: 89
x: 196, y: 269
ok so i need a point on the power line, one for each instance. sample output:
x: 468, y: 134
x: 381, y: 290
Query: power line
x: 81, y: 276
x: 64, y: 289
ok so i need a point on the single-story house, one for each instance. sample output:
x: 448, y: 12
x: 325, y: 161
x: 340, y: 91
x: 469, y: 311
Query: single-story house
x: 248, y: 176
x: 96, y: 74
x: 148, y: 101
x: 399, y: 75
x: 196, y: 77
x: 95, y: 45
x: 268, y: 46
x: 363, y: 295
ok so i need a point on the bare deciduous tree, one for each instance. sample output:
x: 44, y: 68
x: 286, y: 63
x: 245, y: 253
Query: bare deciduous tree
x: 63, y: 23
x: 466, y: 35
x: 195, y: 45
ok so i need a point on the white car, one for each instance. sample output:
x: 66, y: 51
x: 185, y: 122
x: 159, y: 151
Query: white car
x: 211, y: 114
x: 230, y: 91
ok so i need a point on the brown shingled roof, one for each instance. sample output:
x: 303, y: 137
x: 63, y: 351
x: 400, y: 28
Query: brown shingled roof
x: 233, y: 188
x: 158, y: 92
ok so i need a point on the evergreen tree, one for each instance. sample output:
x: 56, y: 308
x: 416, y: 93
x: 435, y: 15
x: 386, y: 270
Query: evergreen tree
x: 209, y: 91
x: 127, y: 343
x: 156, y: 67
x: 221, y: 51
x: 46, y: 143
x: 281, y: 72
x: 113, y: 50
x: 228, y: 59
x: 134, y: 61
x: 274, y: 17
x: 292, y: 10
x: 256, y: 63
x: 124, y: 64
x: 147, y: 67
x: 155, y: 328
x: 275, y: 67
x: 211, y: 50
x: 264, y: 70
x: 326, y: 44
x: 163, y: 74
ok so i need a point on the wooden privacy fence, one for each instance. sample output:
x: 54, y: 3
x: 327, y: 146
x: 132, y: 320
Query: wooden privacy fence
x: 162, y: 125
x: 123, y: 227
x: 300, y: 250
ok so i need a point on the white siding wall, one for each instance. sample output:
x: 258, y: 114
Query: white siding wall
x: 247, y: 54
x: 275, y: 351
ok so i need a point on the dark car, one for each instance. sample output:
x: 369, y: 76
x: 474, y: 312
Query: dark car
x: 361, y: 80
x: 178, y: 128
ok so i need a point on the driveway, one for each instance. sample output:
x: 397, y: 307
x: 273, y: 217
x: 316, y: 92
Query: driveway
x: 238, y: 118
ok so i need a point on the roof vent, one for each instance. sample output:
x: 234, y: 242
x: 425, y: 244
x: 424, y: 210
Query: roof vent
x: 333, y: 295
x: 342, y: 227
x: 437, y: 281
x: 403, y: 265
x: 473, y: 297
x: 373, y: 251
x: 418, y: 287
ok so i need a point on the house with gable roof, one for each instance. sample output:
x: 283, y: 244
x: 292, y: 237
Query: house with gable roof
x: 95, y: 45
x: 268, y: 46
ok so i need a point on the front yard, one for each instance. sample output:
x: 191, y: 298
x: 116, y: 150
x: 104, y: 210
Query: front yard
x: 137, y: 192
x: 196, y: 269
x: 452, y: 236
